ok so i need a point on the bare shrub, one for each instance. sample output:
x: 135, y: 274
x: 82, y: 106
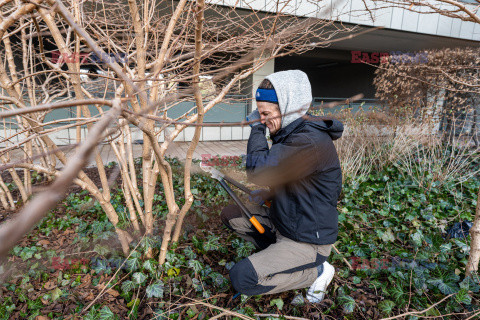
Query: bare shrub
x: 145, y: 59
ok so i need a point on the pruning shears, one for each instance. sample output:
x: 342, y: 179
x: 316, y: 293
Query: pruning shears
x: 222, y: 178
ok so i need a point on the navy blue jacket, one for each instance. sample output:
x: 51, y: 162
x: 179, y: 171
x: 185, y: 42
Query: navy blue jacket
x: 303, y: 170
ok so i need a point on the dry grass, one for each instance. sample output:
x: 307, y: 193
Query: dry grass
x: 415, y: 149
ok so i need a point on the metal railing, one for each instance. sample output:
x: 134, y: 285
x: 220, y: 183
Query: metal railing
x: 362, y: 105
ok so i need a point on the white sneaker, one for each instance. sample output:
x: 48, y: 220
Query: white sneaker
x: 317, y: 290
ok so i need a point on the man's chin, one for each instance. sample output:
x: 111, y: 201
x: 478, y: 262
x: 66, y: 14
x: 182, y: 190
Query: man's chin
x: 272, y: 131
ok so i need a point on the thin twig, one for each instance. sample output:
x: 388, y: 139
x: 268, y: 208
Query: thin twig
x: 415, y: 313
x: 278, y: 316
x: 345, y: 260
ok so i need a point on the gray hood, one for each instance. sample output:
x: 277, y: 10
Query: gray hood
x: 294, y: 94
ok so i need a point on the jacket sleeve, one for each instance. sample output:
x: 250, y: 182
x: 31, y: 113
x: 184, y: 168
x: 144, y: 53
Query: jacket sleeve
x: 284, y: 162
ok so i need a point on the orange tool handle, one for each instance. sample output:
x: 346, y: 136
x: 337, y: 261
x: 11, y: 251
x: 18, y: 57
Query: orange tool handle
x: 257, y: 224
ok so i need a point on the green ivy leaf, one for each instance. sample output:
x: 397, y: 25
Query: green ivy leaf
x: 27, y: 253
x: 277, y: 302
x: 128, y: 286
x: 97, y: 227
x: 56, y: 293
x: 148, y: 242
x: 446, y: 247
x: 218, y: 280
x: 462, y: 245
x: 134, y: 303
x: 92, y: 314
x: 445, y: 288
x: 197, y: 285
x: 149, y: 265
x: 195, y: 265
x: 100, y: 265
x: 462, y: 296
x: 133, y: 264
x: 417, y: 238
x: 197, y: 243
x: 245, y: 249
x: 106, y: 314
x: 101, y: 250
x: 348, y: 303
x: 211, y: 243
x: 448, y: 288
x: 155, y: 290
x: 189, y: 253
x: 386, y: 306
x: 388, y: 236
x: 433, y: 312
x: 139, y: 277
x: 470, y: 284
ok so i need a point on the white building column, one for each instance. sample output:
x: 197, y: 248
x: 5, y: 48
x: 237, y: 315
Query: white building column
x: 258, y: 76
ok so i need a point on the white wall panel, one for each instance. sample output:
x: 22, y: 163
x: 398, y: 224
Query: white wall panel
x: 237, y: 133
x: 444, y: 26
x: 359, y: 14
x: 410, y: 21
x: 246, y: 132
x: 254, y: 4
x: 354, y: 11
x: 288, y: 6
x: 466, y: 30
x: 231, y: 3
x: 59, y: 137
x: 456, y: 25
x: 220, y: 2
x: 307, y: 8
x: 397, y: 18
x: 189, y: 132
x: 341, y: 10
x: 245, y: 4
x: 427, y: 23
x: 325, y: 10
x: 476, y: 32
x: 180, y: 137
x: 271, y: 6
x: 258, y: 77
x: 211, y: 133
x: 225, y: 133
x: 383, y: 17
x: 73, y: 134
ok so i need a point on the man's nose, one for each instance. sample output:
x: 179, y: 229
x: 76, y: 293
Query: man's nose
x: 263, y: 119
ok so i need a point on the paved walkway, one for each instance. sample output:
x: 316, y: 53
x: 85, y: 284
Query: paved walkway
x: 213, y: 148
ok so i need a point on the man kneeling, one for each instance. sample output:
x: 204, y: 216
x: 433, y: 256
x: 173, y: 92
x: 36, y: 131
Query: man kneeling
x: 303, y: 174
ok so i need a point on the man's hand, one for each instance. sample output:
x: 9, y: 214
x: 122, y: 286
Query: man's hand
x: 255, y: 115
x: 259, y: 196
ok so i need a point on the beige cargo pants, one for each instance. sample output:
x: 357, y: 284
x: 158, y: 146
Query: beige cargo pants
x: 281, y: 265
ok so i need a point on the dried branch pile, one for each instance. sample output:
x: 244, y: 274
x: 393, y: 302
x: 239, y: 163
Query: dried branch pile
x: 443, y: 90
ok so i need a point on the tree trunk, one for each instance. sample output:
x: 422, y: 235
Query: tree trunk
x: 475, y: 127
x: 200, y: 111
x: 472, y: 265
